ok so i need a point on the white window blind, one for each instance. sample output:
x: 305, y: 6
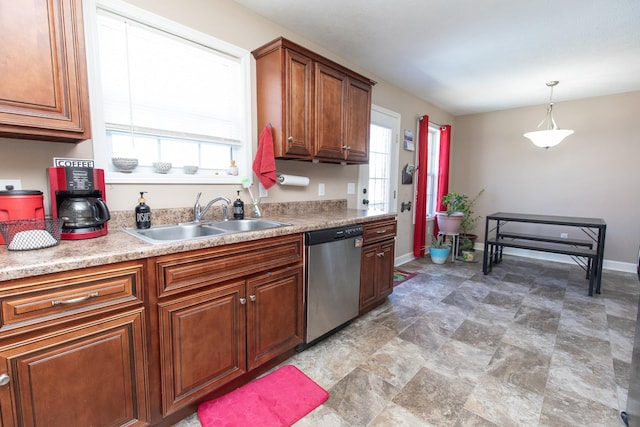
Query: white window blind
x: 167, y: 93
x: 154, y: 82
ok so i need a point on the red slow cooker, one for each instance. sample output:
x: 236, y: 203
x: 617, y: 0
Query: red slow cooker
x: 20, y: 204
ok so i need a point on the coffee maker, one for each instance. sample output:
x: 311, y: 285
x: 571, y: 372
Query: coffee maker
x: 78, y: 196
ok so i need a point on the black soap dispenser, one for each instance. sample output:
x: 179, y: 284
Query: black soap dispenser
x: 238, y: 208
x: 143, y: 213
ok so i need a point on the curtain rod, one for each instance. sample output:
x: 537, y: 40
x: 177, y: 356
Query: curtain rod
x: 430, y: 122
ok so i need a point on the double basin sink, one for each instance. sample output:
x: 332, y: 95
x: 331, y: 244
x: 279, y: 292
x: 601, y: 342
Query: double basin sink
x: 193, y: 230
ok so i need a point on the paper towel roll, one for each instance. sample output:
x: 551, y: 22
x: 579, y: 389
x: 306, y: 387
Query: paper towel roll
x: 298, y: 181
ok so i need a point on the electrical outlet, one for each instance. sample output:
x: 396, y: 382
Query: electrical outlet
x: 16, y: 183
x: 351, y: 188
x: 321, y: 189
x: 564, y: 235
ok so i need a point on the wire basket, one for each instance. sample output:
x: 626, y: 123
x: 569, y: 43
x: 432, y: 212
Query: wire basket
x: 29, y: 234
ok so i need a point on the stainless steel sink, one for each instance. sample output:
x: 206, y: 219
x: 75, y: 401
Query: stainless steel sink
x: 175, y: 232
x: 192, y: 231
x: 240, y: 225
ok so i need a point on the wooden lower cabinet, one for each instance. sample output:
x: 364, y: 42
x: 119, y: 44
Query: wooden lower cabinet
x: 274, y: 312
x: 376, y: 279
x: 378, y: 259
x: 202, y: 343
x: 216, y: 335
x: 92, y: 374
x: 222, y: 314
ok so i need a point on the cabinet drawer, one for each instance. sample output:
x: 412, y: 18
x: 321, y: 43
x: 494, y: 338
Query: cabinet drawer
x: 46, y: 298
x: 379, y: 230
x: 215, y: 265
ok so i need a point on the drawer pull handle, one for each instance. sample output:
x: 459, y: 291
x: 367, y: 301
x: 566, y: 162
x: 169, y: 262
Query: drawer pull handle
x: 4, y: 379
x: 346, y: 147
x: 381, y: 231
x: 74, y: 300
x: 380, y: 254
x: 252, y: 297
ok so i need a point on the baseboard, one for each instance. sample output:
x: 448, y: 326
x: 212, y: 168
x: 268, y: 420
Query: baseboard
x: 627, y: 267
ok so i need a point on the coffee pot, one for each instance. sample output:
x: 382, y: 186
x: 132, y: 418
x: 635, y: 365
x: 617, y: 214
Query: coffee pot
x: 83, y: 212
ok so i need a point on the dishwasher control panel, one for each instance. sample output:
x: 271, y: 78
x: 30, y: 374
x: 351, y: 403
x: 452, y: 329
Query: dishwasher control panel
x: 332, y: 234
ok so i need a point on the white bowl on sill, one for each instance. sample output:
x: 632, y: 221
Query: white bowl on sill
x: 162, y: 167
x: 124, y: 164
x: 190, y: 170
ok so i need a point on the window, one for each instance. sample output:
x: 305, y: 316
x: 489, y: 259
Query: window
x: 379, y: 161
x: 162, y: 92
x: 432, y: 169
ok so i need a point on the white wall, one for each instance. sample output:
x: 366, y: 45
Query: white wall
x: 592, y: 173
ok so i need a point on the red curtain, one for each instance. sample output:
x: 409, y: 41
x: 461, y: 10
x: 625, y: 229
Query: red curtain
x: 443, y: 169
x: 421, y: 191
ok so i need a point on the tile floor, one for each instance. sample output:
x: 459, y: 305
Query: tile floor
x: 523, y: 346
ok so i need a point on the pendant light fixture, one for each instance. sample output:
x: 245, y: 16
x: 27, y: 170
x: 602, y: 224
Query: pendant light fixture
x: 548, y: 135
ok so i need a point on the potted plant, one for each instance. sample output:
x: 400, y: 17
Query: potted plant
x: 439, y: 249
x: 466, y: 247
x: 469, y: 220
x: 450, y: 219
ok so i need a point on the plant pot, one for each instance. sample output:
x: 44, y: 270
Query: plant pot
x: 449, y: 223
x: 439, y: 255
x: 469, y: 256
x: 472, y: 237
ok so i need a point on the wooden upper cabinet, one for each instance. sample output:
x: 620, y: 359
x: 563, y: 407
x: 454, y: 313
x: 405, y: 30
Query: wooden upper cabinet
x: 318, y: 109
x: 285, y: 96
x: 331, y: 102
x: 43, y: 83
x: 358, y: 112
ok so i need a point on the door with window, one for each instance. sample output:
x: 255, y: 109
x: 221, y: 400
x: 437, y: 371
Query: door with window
x: 377, y: 181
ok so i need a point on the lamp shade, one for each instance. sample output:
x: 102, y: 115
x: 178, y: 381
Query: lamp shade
x: 548, y: 138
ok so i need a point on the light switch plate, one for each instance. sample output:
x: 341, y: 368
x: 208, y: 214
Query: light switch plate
x: 321, y: 189
x: 17, y: 184
x: 262, y: 192
x: 351, y: 188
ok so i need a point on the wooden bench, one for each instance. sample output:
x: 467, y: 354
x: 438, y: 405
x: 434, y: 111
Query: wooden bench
x: 546, y: 244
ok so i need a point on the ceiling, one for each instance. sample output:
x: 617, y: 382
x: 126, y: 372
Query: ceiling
x: 470, y: 56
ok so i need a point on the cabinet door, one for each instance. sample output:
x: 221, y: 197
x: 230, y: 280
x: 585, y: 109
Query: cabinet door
x: 384, y: 269
x: 358, y: 121
x: 43, y: 89
x: 202, y: 343
x: 92, y: 375
x: 298, y: 124
x: 274, y: 314
x: 330, y: 108
x: 368, y: 269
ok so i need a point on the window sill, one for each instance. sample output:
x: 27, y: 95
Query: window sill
x: 170, y: 178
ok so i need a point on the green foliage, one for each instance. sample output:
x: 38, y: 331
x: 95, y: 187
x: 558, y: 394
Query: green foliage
x: 454, y: 202
x: 466, y: 244
x: 469, y: 220
x: 439, y: 242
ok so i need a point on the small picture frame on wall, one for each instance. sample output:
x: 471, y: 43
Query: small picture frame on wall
x: 408, y: 140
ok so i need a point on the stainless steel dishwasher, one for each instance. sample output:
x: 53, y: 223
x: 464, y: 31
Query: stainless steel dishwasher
x: 333, y: 280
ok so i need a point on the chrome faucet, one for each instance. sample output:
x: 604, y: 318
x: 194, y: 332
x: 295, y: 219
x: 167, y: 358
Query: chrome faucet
x: 199, y: 213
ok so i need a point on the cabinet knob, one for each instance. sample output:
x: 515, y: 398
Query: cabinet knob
x: 243, y: 301
x: 346, y: 147
x: 252, y: 297
x: 380, y: 254
x: 290, y: 139
x: 4, y: 379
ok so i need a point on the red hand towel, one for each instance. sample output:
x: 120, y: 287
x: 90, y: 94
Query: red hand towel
x: 264, y: 165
